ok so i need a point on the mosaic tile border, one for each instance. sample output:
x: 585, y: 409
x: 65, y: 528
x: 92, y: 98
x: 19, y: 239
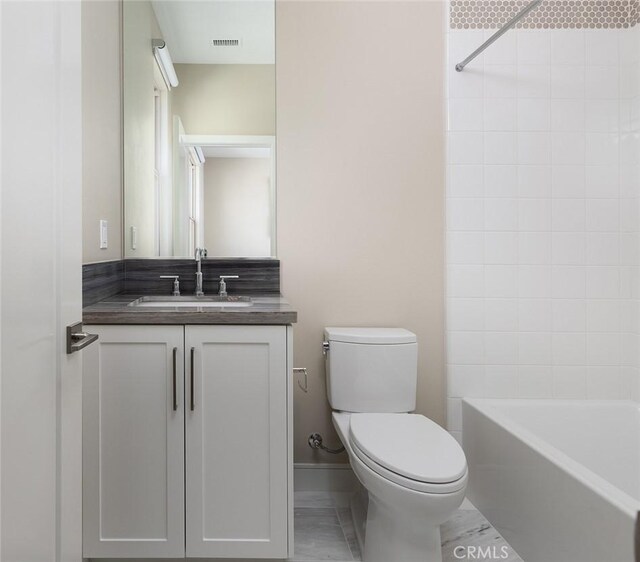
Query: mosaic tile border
x: 551, y: 14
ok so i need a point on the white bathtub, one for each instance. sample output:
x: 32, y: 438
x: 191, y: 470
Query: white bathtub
x: 559, y: 479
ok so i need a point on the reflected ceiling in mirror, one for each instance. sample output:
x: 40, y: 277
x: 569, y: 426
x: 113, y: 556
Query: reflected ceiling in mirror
x: 199, y: 128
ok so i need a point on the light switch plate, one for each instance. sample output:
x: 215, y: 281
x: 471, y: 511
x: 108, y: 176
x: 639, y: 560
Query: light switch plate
x: 104, y: 234
x: 134, y: 237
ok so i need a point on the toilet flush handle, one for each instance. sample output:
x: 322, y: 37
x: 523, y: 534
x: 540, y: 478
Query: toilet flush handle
x: 325, y: 347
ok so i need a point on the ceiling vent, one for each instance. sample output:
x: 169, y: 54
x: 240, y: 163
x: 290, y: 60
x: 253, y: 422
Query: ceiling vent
x: 226, y: 42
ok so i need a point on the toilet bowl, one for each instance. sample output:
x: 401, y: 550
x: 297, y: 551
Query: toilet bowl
x: 414, y: 472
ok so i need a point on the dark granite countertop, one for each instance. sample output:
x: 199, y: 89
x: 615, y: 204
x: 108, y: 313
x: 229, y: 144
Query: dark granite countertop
x: 266, y: 309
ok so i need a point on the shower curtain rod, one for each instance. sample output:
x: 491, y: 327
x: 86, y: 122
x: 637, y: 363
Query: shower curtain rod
x: 506, y: 27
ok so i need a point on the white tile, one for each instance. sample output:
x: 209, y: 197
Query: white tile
x: 465, y: 348
x: 534, y: 148
x: 629, y: 350
x: 629, y: 215
x: 501, y: 348
x: 465, y: 214
x: 602, y: 116
x: 569, y: 315
x: 465, y: 181
x: 501, y: 181
x: 534, y: 281
x: 534, y: 47
x: 568, y: 47
x: 501, y: 248
x: 465, y: 114
x: 629, y: 316
x: 534, y: 181
x: 603, y: 349
x: 501, y: 381
x: 501, y: 315
x: 601, y: 47
x: 601, y: 82
x: 534, y: 348
x: 534, y: 114
x: 603, y: 315
x: 604, y: 383
x: 534, y: 214
x: 568, y: 281
x: 603, y: 248
x: 466, y: 381
x: 500, y: 81
x: 501, y: 281
x: 567, y: 148
x: 569, y: 382
x: 568, y: 215
x: 603, y: 282
x: 501, y: 214
x: 535, y: 381
x: 465, y: 248
x: 459, y: 45
x: 467, y: 84
x: 569, y: 348
x: 568, y: 181
x: 603, y: 215
x: 567, y: 115
x: 629, y: 248
x: 454, y: 414
x: 534, y: 248
x: 601, y: 181
x: 534, y: 315
x: 567, y: 82
x: 569, y: 248
x: 533, y: 81
x: 602, y: 149
x: 465, y: 280
x: 466, y: 148
x: 501, y: 52
x: 499, y: 148
x: 500, y: 114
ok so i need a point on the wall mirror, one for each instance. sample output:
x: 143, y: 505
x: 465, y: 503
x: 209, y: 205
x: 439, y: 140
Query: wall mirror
x: 199, y: 128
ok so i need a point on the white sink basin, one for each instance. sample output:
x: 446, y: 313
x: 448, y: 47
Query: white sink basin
x: 192, y: 302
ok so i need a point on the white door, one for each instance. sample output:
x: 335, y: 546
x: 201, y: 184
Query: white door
x: 40, y: 276
x: 133, y: 432
x: 237, y: 442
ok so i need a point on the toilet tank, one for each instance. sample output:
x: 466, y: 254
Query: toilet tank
x: 371, y: 369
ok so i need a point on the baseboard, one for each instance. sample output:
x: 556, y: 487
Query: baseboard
x: 323, y: 477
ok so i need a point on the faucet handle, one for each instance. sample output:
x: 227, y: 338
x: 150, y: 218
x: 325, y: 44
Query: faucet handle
x: 222, y: 291
x: 176, y: 283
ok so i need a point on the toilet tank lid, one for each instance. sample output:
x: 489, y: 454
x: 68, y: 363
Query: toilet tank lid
x: 380, y: 336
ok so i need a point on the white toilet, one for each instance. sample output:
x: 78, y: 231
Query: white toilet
x: 414, y: 472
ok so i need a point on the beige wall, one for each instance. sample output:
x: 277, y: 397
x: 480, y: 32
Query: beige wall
x: 226, y: 99
x: 236, y: 209
x: 360, y: 132
x: 101, y: 124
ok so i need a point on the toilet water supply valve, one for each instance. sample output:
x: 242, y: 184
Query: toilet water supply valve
x: 315, y: 442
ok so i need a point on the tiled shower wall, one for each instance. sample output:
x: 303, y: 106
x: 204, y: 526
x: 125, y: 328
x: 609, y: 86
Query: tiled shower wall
x: 542, y: 211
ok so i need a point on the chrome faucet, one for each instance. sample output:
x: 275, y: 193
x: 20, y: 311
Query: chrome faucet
x: 199, y: 254
x: 222, y: 292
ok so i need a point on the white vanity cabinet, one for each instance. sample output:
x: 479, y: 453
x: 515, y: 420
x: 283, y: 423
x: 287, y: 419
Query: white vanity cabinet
x: 207, y: 477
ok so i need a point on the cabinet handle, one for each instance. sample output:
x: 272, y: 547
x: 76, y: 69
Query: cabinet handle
x: 193, y: 402
x: 175, y: 367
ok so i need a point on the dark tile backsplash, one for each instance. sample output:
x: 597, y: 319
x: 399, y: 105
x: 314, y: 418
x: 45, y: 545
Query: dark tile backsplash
x: 101, y: 280
x: 142, y: 276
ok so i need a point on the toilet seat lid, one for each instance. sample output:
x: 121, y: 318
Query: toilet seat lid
x: 410, y: 445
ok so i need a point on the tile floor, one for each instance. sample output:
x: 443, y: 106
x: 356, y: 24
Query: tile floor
x: 324, y: 531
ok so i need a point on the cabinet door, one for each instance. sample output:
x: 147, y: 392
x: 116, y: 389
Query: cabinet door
x: 237, y: 454
x: 133, y: 442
